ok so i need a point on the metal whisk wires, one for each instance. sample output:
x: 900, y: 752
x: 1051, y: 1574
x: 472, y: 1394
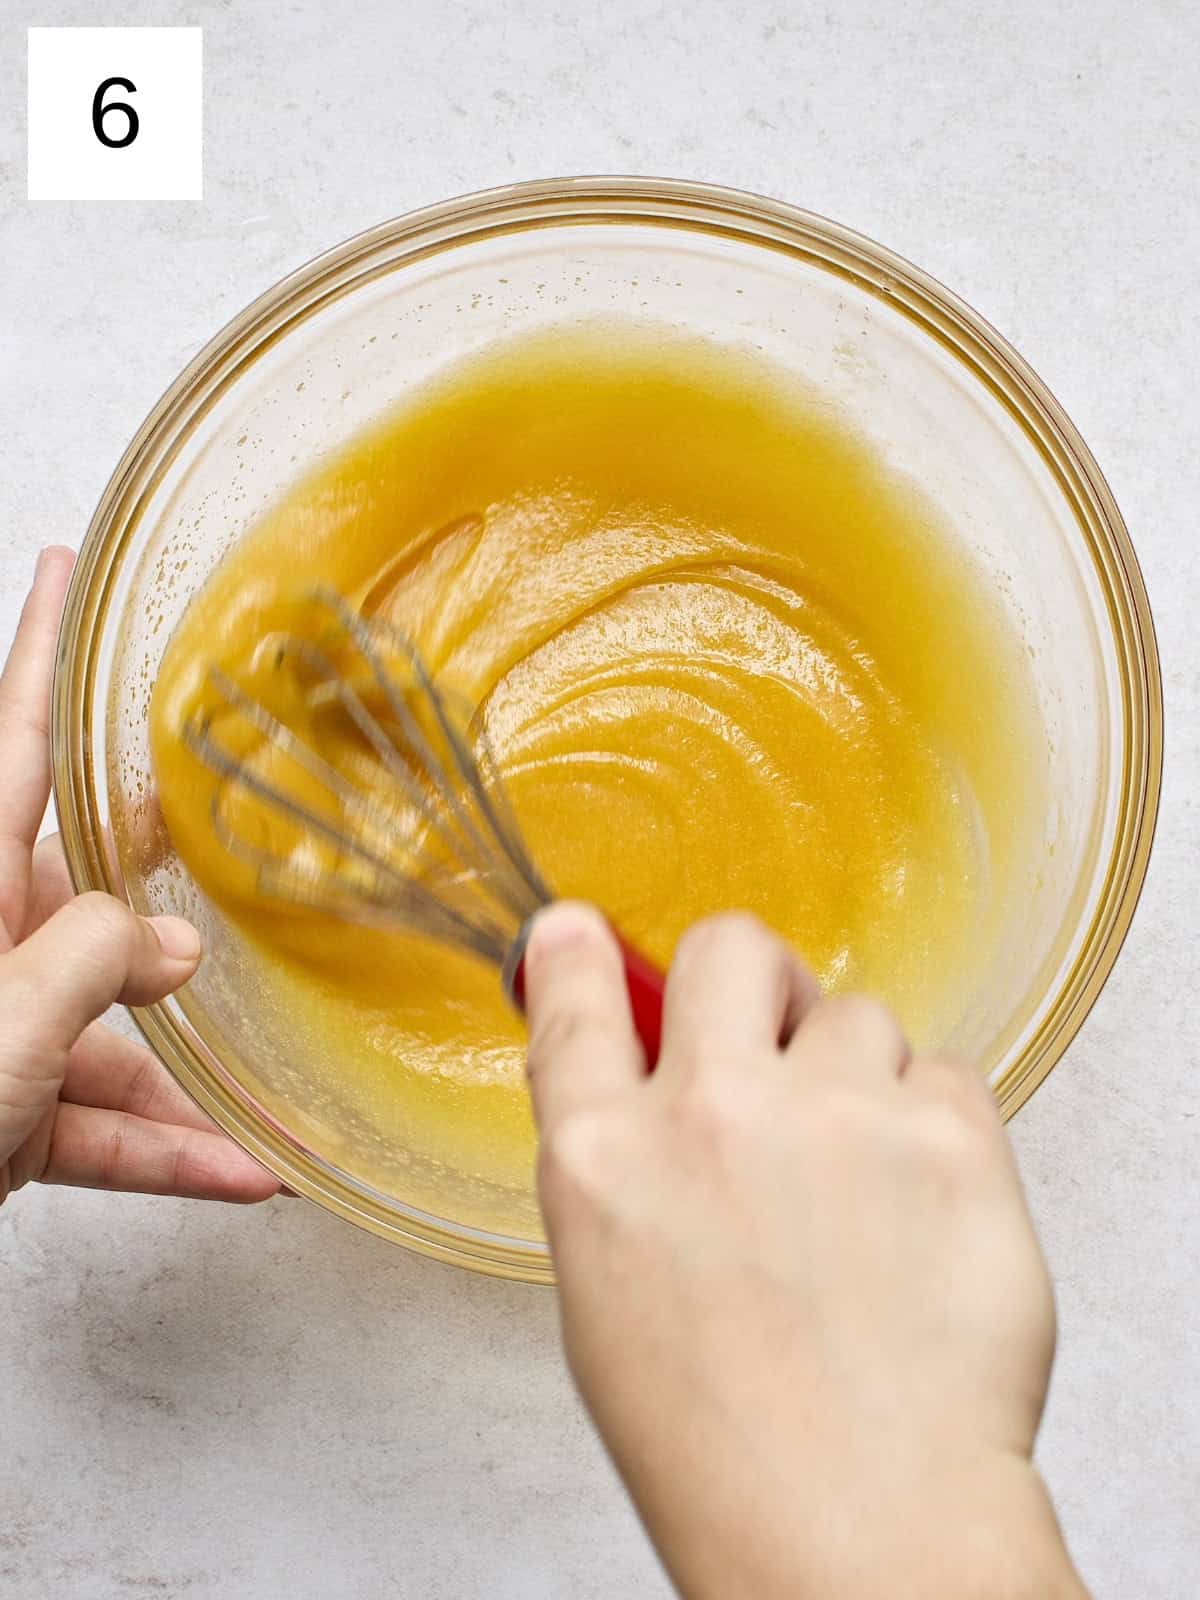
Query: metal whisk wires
x: 354, y: 785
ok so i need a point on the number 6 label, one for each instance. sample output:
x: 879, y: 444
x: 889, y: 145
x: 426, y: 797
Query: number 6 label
x: 115, y: 113
x: 100, y: 111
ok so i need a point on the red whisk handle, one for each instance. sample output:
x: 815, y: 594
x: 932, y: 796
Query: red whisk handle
x: 644, y: 981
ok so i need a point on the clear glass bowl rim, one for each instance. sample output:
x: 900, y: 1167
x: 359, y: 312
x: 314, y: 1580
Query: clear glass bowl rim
x: 770, y: 224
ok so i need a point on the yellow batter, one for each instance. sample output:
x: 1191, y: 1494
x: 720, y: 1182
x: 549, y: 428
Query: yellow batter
x: 726, y: 660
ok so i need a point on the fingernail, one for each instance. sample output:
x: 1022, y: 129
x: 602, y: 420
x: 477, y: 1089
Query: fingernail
x: 566, y: 923
x: 178, y: 938
x: 45, y: 555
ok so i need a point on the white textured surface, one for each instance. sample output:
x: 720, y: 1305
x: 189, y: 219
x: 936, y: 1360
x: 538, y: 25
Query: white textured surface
x: 213, y: 1403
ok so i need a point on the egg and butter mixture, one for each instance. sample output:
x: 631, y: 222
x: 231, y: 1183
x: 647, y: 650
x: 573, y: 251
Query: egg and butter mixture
x: 725, y: 658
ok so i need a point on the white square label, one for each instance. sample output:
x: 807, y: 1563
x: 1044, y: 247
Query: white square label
x: 115, y: 113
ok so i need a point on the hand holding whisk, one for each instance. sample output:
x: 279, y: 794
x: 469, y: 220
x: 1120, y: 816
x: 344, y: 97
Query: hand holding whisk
x: 429, y: 843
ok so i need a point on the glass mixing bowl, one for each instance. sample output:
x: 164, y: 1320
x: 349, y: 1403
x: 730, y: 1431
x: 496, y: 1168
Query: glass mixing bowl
x: 323, y: 354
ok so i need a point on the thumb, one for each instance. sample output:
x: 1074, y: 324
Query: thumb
x: 92, y: 952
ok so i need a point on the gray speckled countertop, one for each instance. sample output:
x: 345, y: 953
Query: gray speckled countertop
x: 215, y: 1404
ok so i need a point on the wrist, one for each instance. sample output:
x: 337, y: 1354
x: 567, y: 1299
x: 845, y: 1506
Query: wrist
x: 1011, y: 1546
x: 989, y: 1534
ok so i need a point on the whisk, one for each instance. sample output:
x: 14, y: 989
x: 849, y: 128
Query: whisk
x: 355, y: 785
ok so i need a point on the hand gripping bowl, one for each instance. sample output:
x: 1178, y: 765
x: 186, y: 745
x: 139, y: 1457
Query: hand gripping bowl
x: 333, y: 347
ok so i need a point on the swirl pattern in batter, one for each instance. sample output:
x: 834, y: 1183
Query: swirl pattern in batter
x: 724, y: 657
